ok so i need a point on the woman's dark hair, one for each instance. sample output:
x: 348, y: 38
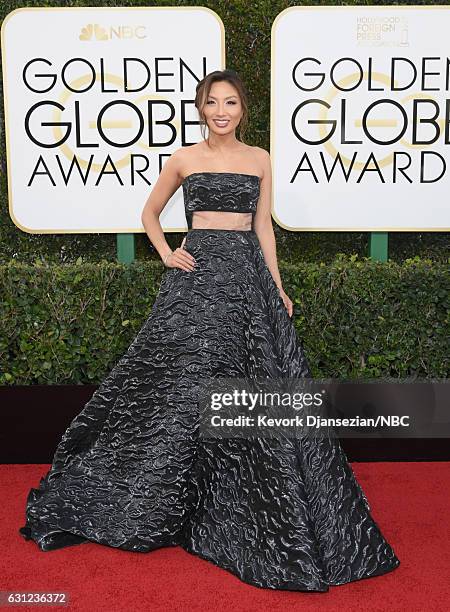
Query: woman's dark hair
x: 202, y: 93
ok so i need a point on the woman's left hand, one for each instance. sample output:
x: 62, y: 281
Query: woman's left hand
x: 287, y: 301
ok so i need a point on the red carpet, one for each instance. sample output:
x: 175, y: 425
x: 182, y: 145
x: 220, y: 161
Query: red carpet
x: 410, y: 502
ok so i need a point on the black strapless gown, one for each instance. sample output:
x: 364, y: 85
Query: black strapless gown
x: 132, y: 472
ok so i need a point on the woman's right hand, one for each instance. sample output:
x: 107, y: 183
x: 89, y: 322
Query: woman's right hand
x: 180, y: 258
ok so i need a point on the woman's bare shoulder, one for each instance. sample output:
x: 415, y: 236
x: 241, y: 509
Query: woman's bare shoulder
x: 263, y: 160
x: 187, y: 155
x: 180, y: 160
x: 188, y: 150
x: 262, y: 153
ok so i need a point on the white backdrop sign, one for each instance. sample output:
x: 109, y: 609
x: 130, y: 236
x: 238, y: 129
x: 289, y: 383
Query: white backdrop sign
x: 96, y: 99
x: 360, y: 118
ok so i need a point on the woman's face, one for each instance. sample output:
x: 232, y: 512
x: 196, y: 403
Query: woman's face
x: 222, y: 109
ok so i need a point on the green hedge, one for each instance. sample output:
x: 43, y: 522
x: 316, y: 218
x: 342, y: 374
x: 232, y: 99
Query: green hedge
x: 247, y: 39
x: 69, y: 324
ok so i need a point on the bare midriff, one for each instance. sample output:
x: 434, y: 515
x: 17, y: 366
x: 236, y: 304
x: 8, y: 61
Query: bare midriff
x: 219, y: 219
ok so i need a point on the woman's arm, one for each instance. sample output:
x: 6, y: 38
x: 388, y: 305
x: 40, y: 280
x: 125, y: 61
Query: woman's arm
x: 263, y: 219
x: 264, y: 229
x: 168, y: 182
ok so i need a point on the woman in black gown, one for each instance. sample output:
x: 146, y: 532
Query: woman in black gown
x: 131, y: 470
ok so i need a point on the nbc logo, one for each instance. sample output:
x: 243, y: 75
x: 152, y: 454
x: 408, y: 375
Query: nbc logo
x: 94, y: 31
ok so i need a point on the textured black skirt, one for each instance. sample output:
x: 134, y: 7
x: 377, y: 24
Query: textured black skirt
x: 132, y: 472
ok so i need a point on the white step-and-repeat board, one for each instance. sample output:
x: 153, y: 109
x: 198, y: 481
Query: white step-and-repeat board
x: 360, y: 118
x: 96, y: 100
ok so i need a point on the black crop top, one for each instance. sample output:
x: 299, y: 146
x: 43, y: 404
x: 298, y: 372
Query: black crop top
x: 221, y: 191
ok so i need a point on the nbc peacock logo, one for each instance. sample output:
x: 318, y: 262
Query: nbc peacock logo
x: 94, y: 31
